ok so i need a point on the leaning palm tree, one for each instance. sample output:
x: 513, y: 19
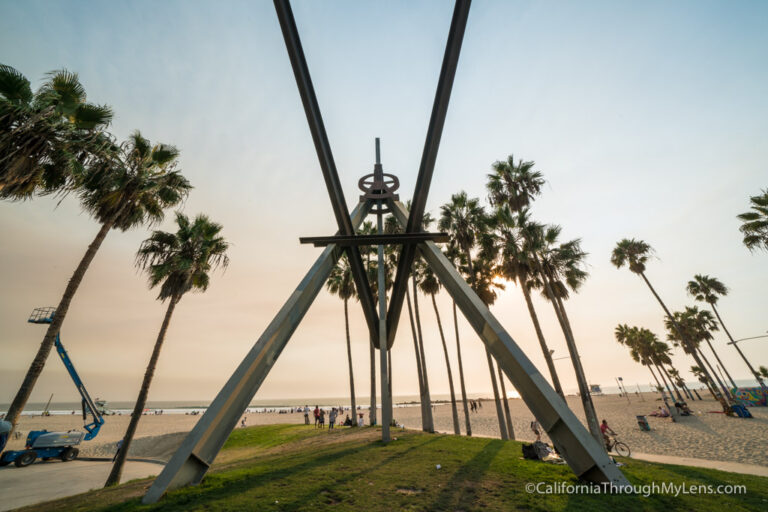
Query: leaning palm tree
x: 129, y: 189
x: 431, y: 286
x: 640, y: 342
x: 178, y: 262
x: 634, y: 254
x: 755, y: 222
x: 46, y: 137
x: 687, y: 329
x: 516, y: 265
x: 341, y: 283
x: 464, y: 219
x: 453, y: 254
x: 558, y: 268
x: 710, y: 289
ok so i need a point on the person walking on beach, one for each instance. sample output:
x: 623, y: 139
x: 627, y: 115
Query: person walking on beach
x: 322, y: 418
x: 317, y: 415
x: 331, y: 419
x: 306, y: 415
x: 242, y: 422
x: 119, y: 447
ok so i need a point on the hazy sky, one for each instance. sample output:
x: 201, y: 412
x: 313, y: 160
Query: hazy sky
x: 647, y: 119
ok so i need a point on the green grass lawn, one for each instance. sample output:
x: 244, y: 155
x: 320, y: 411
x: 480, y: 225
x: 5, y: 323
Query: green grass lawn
x: 292, y: 467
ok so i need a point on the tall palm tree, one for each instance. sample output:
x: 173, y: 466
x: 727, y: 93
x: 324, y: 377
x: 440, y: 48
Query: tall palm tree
x: 370, y: 264
x: 425, y: 401
x: 558, y: 267
x: 486, y: 285
x: 431, y: 286
x: 687, y: 329
x: 341, y: 283
x: 48, y: 136
x: 129, y: 189
x: 465, y: 219
x: 178, y: 262
x: 755, y: 222
x: 710, y: 289
x: 453, y: 254
x: 634, y: 254
x: 516, y: 265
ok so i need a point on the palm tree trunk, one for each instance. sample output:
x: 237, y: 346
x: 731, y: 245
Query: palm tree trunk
x: 372, y: 409
x: 660, y: 387
x: 710, y: 382
x: 454, y: 410
x: 141, y: 401
x: 505, y: 401
x: 721, y: 364
x: 497, y: 400
x: 712, y: 370
x: 675, y: 324
x: 650, y: 369
x: 542, y: 342
x: 422, y: 394
x: 672, y: 382
x: 581, y: 379
x: 36, y: 368
x: 736, y: 346
x: 349, y: 360
x: 428, y: 400
x: 665, y: 381
x: 461, y: 372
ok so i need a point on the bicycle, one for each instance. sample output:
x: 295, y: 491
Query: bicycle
x: 620, y: 448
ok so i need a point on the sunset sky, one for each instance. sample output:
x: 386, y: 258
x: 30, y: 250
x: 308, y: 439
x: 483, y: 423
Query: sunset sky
x: 648, y: 120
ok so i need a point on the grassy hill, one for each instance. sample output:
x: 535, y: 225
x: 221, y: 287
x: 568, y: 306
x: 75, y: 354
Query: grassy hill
x: 290, y: 467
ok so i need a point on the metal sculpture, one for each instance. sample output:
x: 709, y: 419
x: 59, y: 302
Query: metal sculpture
x: 193, y: 459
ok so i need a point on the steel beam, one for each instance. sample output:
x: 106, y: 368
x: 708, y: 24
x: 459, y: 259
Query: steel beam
x: 377, y: 239
x: 579, y: 449
x: 428, y: 158
x: 325, y: 156
x: 198, y: 450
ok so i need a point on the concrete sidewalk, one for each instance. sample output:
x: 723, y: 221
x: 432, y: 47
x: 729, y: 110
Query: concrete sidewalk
x: 731, y: 467
x: 45, y: 481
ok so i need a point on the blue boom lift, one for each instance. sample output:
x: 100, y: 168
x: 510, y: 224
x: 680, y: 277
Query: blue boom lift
x: 44, y: 444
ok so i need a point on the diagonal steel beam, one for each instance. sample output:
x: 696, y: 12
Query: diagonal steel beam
x: 198, y: 450
x: 579, y: 449
x: 428, y: 158
x: 325, y: 156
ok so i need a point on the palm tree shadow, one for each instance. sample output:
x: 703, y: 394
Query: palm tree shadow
x: 459, y: 492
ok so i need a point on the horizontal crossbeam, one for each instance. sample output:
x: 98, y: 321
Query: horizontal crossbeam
x: 384, y: 239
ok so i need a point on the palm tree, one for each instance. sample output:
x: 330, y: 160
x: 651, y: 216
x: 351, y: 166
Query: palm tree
x: 465, y: 219
x: 341, y: 283
x: 710, y: 289
x: 425, y: 401
x: 641, y: 344
x: 687, y: 330
x: 635, y: 254
x: 702, y: 377
x: 486, y: 285
x: 514, y: 185
x: 127, y: 190
x: 46, y: 137
x: 371, y: 265
x: 178, y: 262
x: 431, y: 286
x: 516, y: 265
x: 453, y: 254
x: 755, y: 223
x: 558, y: 267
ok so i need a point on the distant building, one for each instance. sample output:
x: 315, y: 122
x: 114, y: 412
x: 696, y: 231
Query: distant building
x: 594, y: 389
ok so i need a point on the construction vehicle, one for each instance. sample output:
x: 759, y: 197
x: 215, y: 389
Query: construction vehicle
x: 42, y: 443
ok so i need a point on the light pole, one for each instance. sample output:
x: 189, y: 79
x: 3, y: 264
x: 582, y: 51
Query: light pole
x: 757, y: 375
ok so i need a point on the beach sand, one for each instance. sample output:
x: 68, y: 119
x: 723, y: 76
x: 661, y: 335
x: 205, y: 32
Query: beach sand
x: 703, y: 435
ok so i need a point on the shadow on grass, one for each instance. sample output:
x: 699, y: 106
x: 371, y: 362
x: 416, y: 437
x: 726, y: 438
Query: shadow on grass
x: 460, y: 492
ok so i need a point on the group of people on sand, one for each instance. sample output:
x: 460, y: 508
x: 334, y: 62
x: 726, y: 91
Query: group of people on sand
x: 475, y: 405
x: 319, y: 415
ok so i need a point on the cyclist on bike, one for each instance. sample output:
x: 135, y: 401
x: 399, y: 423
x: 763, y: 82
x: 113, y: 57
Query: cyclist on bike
x: 605, y: 429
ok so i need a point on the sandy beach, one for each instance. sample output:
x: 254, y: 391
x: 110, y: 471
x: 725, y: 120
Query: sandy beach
x: 704, y: 435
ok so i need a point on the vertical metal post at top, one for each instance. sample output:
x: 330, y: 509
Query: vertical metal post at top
x: 428, y: 158
x: 378, y: 151
x: 386, y: 399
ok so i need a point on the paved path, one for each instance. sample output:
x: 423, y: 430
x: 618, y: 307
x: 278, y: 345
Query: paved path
x: 44, y: 481
x: 731, y: 467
